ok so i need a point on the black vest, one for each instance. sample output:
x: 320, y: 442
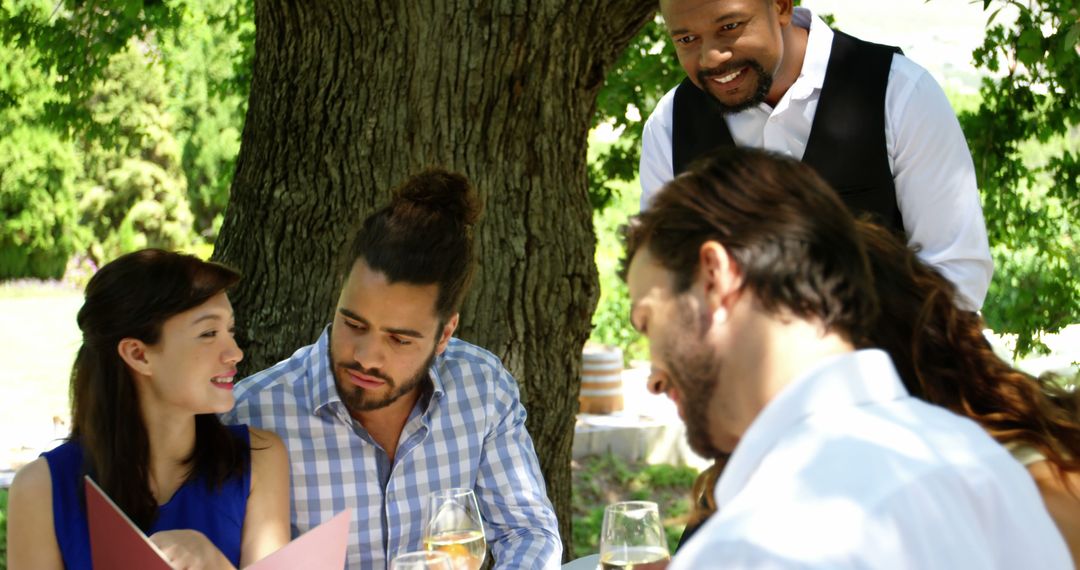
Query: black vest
x: 847, y: 138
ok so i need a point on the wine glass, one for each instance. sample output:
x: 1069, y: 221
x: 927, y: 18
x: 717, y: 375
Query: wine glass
x: 632, y: 537
x: 452, y: 525
x: 421, y: 561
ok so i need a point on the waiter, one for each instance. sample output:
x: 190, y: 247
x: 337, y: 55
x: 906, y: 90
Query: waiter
x: 872, y: 123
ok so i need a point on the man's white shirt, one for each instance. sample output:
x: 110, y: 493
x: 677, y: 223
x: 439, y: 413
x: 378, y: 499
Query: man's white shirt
x: 843, y: 469
x: 932, y: 168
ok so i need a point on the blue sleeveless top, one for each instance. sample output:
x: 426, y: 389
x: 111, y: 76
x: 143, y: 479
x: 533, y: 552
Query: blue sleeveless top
x: 217, y: 513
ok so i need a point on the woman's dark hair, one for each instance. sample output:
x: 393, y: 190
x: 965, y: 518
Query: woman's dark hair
x: 789, y: 233
x: 132, y: 297
x: 425, y: 236
x: 943, y: 357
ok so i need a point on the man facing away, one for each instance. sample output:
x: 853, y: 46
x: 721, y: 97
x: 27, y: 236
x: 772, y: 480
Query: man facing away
x: 872, y: 123
x: 387, y: 407
x: 749, y: 282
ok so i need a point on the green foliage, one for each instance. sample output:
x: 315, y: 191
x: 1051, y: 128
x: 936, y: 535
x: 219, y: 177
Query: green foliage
x: 74, y: 42
x: 611, y: 320
x: 37, y: 204
x: 1023, y: 138
x: 667, y: 476
x: 207, y: 66
x: 647, y: 69
x: 604, y: 479
x: 586, y: 530
x: 137, y: 196
x: 110, y: 195
x: 38, y: 173
x: 149, y: 96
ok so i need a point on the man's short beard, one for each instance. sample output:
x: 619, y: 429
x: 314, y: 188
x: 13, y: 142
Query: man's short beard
x: 694, y: 368
x: 765, y: 81
x: 358, y: 400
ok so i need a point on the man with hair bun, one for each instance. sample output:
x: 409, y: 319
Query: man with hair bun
x: 387, y: 407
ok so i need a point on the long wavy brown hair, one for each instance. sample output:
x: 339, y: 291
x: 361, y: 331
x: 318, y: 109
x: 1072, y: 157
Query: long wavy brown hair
x: 943, y: 357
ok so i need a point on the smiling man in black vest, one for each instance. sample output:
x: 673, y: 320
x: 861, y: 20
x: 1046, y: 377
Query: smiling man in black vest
x: 874, y: 124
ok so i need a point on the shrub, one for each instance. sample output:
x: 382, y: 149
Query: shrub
x: 611, y: 320
x: 140, y: 205
x: 137, y: 194
x: 38, y: 215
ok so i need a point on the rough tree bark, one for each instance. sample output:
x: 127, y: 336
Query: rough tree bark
x: 350, y: 97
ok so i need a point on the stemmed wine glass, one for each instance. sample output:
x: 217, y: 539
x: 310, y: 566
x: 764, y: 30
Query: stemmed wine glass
x: 452, y: 525
x: 421, y: 561
x: 632, y: 537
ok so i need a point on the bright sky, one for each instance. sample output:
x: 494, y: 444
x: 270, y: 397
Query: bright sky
x: 937, y: 34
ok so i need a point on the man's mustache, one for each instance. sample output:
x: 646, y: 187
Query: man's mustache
x: 725, y: 69
x: 374, y: 372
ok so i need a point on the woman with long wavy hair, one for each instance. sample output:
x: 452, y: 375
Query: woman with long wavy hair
x: 157, y: 362
x: 943, y: 358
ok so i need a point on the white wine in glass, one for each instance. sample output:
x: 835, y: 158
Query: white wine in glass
x: 452, y: 525
x: 632, y: 537
x: 421, y: 561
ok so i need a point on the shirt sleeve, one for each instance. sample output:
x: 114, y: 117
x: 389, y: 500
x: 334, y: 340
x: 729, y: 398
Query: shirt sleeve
x: 935, y: 182
x: 654, y: 169
x: 523, y: 530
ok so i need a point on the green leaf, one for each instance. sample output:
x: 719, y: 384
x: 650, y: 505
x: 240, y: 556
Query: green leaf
x: 1029, y: 48
x: 1072, y: 37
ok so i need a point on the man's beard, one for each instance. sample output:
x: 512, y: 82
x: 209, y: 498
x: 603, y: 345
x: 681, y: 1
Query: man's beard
x: 765, y: 81
x: 695, y: 369
x: 358, y: 400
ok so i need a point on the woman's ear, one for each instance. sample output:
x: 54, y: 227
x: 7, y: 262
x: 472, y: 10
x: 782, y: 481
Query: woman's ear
x: 133, y: 352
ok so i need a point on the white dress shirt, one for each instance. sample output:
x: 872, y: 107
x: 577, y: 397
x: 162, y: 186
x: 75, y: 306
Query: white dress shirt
x: 928, y: 155
x: 843, y: 469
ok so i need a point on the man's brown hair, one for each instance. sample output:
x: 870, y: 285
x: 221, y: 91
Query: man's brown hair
x: 787, y: 230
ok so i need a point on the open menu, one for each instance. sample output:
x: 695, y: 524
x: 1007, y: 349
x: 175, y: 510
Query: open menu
x: 115, y: 542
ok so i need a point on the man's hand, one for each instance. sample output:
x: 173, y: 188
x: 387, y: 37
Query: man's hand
x: 190, y: 550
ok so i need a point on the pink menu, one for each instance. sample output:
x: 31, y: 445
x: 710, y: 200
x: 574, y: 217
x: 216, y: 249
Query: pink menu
x: 115, y: 542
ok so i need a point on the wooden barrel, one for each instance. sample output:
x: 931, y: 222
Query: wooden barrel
x: 601, y: 380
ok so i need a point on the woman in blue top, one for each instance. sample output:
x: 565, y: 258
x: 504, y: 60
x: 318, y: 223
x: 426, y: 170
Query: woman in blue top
x: 158, y: 361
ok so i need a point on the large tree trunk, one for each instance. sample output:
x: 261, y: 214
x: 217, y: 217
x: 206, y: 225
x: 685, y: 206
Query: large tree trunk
x: 349, y: 98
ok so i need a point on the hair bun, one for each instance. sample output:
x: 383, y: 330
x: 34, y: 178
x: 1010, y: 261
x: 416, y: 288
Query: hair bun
x: 441, y: 193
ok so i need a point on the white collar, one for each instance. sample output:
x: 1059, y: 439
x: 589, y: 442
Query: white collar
x: 815, y: 62
x: 816, y: 58
x: 844, y: 381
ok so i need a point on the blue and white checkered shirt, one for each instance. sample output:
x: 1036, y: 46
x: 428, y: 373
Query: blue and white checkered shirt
x: 471, y: 433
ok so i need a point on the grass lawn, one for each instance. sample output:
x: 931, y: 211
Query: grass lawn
x: 604, y: 479
x: 38, y: 341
